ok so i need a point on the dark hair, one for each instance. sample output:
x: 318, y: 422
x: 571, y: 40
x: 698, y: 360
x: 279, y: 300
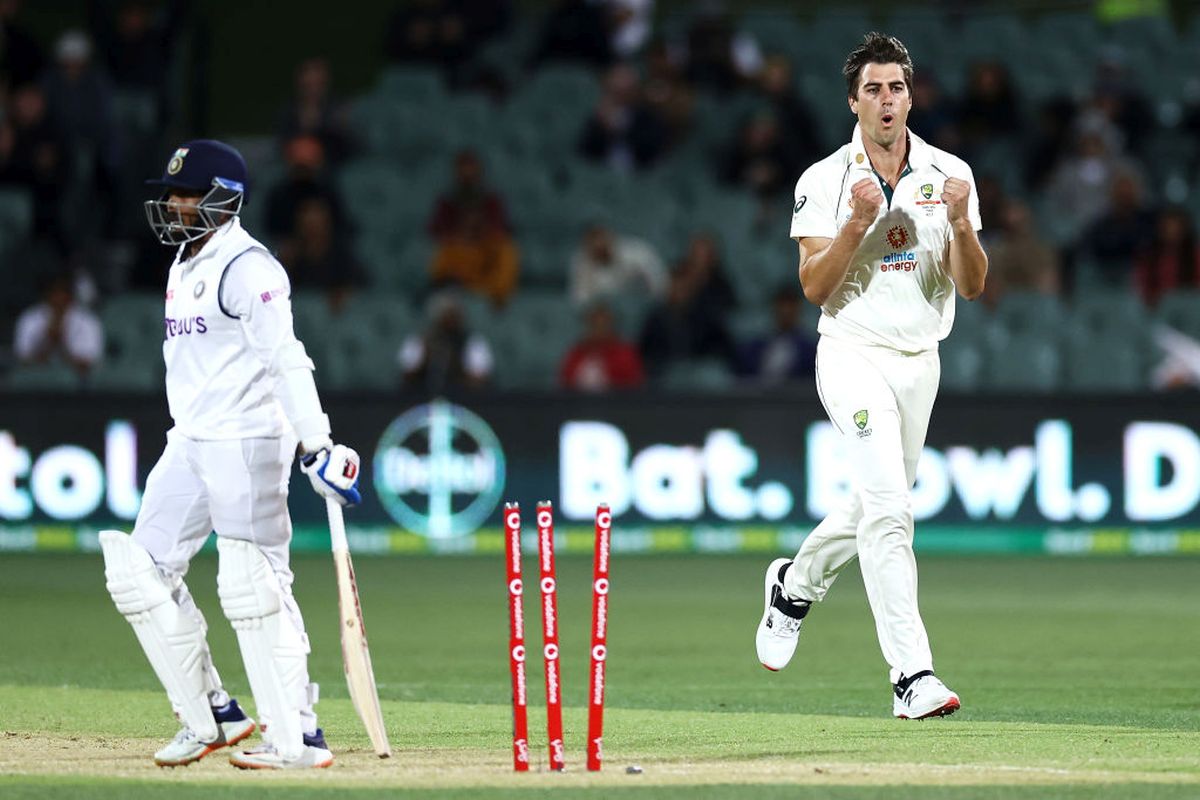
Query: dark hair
x: 876, y: 48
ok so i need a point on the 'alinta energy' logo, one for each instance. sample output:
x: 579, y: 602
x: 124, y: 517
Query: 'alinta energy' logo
x: 439, y: 470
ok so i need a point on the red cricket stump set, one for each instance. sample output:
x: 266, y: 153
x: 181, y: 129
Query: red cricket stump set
x: 550, y: 649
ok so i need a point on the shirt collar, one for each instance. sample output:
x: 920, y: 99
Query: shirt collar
x: 212, y: 246
x: 920, y: 154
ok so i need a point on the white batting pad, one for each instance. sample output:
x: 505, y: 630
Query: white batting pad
x: 173, y: 640
x: 274, y: 649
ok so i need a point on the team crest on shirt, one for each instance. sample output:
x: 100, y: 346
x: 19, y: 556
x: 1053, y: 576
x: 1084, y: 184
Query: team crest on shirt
x: 860, y: 421
x: 924, y: 199
x: 897, y: 236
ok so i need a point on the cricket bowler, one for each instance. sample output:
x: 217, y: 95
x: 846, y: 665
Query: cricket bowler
x: 887, y: 233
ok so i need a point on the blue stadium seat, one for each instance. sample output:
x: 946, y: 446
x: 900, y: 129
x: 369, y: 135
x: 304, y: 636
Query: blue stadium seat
x: 1027, y: 362
x: 16, y: 216
x: 408, y: 84
x: 698, y: 375
x: 1107, y: 363
x: 43, y: 378
x: 1180, y: 310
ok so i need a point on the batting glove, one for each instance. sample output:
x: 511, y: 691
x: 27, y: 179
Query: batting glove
x: 334, y: 473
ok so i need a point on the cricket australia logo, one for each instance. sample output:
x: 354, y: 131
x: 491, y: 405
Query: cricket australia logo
x: 860, y: 421
x: 439, y: 470
x: 927, y: 190
x: 897, y: 236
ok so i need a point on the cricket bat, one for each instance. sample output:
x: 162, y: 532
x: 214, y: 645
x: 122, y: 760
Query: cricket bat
x: 356, y: 658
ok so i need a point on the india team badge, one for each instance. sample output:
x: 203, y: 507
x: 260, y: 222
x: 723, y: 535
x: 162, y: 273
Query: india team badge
x: 176, y: 162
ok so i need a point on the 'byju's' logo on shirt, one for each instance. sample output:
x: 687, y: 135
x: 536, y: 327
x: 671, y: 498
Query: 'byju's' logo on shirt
x: 183, y: 327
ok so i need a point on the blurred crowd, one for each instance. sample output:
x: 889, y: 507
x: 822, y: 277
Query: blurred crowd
x: 1071, y: 188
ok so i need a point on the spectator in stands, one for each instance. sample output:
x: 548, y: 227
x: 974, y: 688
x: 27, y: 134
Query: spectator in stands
x: 469, y: 194
x: 446, y: 355
x: 719, y: 58
x: 714, y: 295
x: 21, y: 57
x: 667, y: 92
x: 306, y: 179
x: 317, y: 258
x: 629, y: 24
x: 992, y: 201
x: 138, y: 45
x: 681, y: 328
x: 760, y: 161
x: 79, y: 105
x: 1080, y: 188
x: 934, y: 113
x: 1051, y: 141
x: 622, y: 131
x: 477, y: 256
x: 1117, y: 100
x: 313, y: 111
x: 607, y: 266
x: 59, y: 329
x: 435, y: 32
x: 1171, y: 259
x: 800, y: 137
x: 573, y: 30
x: 34, y: 155
x: 1018, y: 259
x: 601, y: 360
x: 1121, y: 233
x: 990, y: 109
x: 788, y: 352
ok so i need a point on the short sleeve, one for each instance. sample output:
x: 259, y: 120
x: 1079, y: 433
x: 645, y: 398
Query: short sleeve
x: 812, y: 207
x: 251, y: 281
x: 255, y: 289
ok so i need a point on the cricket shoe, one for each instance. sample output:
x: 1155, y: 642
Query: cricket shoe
x: 923, y: 695
x: 232, y: 725
x: 316, y: 755
x: 779, y: 629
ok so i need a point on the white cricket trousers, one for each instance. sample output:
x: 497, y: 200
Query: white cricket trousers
x: 879, y: 400
x: 236, y: 487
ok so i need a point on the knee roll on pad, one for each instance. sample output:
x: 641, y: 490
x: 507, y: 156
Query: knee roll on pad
x: 274, y: 649
x: 173, y: 641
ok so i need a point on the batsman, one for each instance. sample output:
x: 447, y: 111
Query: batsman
x: 242, y: 397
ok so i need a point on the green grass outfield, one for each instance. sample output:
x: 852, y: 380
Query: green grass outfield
x: 1080, y: 678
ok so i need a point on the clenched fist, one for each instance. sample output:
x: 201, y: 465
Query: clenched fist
x: 955, y: 193
x: 865, y: 198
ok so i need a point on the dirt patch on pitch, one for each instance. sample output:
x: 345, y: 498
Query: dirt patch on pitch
x: 131, y: 759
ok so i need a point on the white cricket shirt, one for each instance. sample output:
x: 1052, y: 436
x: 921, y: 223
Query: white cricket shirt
x: 228, y: 311
x: 898, y: 291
